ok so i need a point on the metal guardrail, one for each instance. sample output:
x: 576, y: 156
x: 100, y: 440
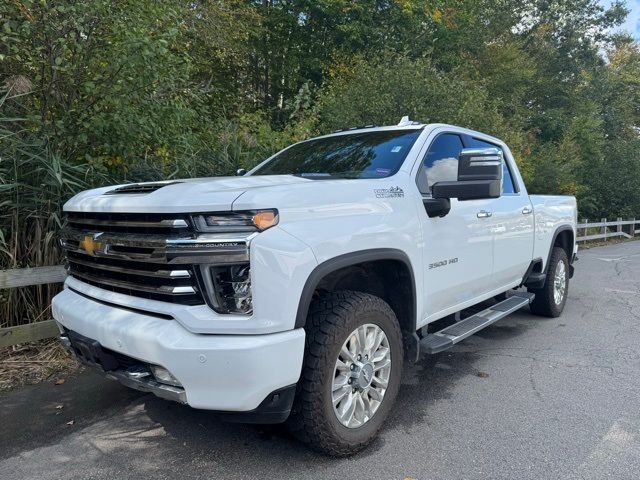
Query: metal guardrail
x: 26, y: 277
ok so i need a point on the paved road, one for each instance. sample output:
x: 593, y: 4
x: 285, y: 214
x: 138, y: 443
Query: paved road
x: 526, y: 398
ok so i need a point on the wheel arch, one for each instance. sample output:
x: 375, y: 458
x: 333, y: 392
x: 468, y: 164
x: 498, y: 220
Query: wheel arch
x: 563, y: 237
x: 344, y: 269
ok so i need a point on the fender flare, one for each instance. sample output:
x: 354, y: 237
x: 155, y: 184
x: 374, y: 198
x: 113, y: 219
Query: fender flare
x: 559, y: 230
x: 341, y: 261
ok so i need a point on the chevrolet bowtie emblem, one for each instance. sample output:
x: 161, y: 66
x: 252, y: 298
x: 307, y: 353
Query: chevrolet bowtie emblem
x: 90, y: 245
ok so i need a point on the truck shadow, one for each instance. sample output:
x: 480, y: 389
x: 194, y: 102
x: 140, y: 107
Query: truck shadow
x: 433, y: 377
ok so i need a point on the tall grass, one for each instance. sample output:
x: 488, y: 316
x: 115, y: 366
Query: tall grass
x: 34, y: 183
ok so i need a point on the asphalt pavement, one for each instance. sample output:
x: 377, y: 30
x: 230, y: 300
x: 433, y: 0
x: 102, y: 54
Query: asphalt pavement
x: 527, y: 398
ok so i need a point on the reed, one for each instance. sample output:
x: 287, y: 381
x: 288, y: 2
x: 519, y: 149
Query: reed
x: 34, y: 183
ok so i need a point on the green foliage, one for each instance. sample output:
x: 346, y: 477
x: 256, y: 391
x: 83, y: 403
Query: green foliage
x: 110, y: 82
x: 374, y: 92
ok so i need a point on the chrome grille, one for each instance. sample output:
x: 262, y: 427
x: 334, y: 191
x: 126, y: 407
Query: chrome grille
x: 153, y: 256
x: 145, y: 223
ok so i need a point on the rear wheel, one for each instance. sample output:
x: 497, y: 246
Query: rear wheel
x: 551, y: 298
x: 351, y: 372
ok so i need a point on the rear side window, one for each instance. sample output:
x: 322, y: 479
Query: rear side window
x: 441, y: 160
x: 507, y: 180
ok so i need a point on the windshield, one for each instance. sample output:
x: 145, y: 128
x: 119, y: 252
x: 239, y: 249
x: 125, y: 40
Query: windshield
x: 358, y: 155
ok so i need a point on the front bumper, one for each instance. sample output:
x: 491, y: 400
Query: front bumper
x: 231, y: 373
x: 132, y: 374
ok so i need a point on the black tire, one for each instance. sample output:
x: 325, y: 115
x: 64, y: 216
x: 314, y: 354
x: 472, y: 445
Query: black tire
x: 544, y: 303
x: 331, y: 320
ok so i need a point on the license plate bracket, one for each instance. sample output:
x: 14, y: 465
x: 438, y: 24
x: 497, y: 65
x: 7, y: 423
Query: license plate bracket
x: 91, y: 352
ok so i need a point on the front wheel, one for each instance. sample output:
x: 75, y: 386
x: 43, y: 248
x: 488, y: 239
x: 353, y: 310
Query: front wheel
x: 351, y: 372
x: 550, y: 299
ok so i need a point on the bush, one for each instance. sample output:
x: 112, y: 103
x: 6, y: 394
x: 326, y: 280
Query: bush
x: 381, y: 90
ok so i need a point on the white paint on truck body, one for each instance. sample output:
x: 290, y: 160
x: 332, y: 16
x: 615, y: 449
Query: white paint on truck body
x: 456, y: 261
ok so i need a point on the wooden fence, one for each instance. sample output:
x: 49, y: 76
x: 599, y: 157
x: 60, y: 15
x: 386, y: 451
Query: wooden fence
x: 604, y: 229
x: 25, y: 277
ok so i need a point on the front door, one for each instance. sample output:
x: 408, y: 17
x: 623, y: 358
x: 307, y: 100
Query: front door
x: 458, y: 248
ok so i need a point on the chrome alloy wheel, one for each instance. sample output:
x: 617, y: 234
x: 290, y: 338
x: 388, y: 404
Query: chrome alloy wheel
x: 559, y: 283
x: 361, y: 375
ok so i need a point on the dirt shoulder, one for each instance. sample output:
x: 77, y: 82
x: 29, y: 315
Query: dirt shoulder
x: 35, y: 362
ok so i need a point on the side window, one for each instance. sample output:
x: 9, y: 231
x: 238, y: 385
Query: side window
x: 507, y: 180
x: 441, y: 161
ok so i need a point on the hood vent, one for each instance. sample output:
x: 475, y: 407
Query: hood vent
x: 139, y: 188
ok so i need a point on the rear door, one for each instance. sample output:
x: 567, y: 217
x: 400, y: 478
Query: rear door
x: 458, y: 248
x: 511, y: 223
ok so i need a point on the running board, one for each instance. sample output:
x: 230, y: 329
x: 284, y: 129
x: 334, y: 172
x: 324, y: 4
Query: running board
x: 448, y: 337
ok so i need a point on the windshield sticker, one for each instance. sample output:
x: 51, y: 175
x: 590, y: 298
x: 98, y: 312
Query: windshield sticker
x: 396, y: 149
x: 383, y: 171
x: 393, y: 192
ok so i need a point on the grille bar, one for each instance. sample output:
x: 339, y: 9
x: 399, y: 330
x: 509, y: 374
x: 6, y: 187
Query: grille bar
x: 218, y: 248
x: 163, y: 289
x: 129, y: 223
x: 177, y: 223
x: 162, y: 274
x: 142, y: 255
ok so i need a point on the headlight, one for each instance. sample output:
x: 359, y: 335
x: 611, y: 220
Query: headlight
x: 229, y: 288
x: 249, y: 221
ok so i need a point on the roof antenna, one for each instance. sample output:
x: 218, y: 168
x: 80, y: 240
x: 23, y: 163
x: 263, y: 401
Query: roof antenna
x: 404, y: 121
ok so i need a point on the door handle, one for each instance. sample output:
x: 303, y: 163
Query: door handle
x: 483, y: 214
x: 527, y: 210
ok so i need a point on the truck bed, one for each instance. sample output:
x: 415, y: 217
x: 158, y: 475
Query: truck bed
x: 551, y: 211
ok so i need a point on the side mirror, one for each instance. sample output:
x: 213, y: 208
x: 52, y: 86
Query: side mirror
x: 241, y: 172
x: 480, y: 164
x: 479, y: 176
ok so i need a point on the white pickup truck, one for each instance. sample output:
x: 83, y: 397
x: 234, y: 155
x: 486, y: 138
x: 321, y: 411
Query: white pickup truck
x: 295, y: 291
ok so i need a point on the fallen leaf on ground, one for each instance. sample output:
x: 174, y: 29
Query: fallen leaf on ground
x: 59, y: 407
x: 59, y: 381
x: 71, y: 422
x: 482, y: 375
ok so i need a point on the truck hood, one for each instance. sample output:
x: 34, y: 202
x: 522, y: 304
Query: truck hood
x: 175, y: 196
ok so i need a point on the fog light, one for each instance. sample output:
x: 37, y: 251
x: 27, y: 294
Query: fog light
x: 163, y: 375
